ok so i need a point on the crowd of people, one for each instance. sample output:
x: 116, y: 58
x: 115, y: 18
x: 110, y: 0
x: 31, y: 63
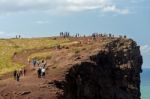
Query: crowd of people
x: 93, y: 35
x: 67, y: 34
x: 64, y: 34
x: 106, y: 35
x: 41, y: 67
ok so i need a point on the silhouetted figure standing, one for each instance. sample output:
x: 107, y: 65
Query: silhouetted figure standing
x: 19, y: 36
x: 109, y: 35
x: 18, y: 76
x: 76, y: 35
x: 62, y: 34
x: 15, y: 74
x: 125, y: 36
x: 39, y: 72
x: 93, y: 36
x: 84, y: 36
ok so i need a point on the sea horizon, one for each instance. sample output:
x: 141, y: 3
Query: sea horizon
x: 145, y: 83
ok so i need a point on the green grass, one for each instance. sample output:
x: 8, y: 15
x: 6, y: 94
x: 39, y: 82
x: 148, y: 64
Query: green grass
x: 9, y: 46
x: 40, y: 56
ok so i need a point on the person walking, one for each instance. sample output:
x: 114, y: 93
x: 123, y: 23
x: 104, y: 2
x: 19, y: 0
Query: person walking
x: 15, y: 74
x: 29, y: 61
x: 38, y: 62
x: 23, y: 71
x: 39, y: 72
x: 43, y: 72
x: 18, y: 76
x: 43, y: 63
x: 34, y: 62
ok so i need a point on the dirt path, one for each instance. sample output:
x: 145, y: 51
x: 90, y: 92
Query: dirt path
x: 30, y: 86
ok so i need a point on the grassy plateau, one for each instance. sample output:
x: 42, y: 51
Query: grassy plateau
x: 10, y: 46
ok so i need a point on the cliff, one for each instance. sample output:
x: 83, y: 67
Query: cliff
x: 81, y: 68
x: 110, y: 72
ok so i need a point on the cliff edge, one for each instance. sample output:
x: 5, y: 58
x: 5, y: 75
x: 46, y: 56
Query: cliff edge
x: 109, y: 72
x: 83, y: 68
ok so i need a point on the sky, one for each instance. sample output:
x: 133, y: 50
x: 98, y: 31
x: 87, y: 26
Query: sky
x: 33, y: 18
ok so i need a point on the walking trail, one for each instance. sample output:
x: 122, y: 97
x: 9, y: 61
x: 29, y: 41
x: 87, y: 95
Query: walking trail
x: 32, y: 87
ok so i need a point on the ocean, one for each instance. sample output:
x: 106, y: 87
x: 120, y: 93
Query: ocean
x: 145, y: 84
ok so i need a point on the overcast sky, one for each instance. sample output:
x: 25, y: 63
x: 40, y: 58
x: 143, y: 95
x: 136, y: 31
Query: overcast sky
x: 32, y: 18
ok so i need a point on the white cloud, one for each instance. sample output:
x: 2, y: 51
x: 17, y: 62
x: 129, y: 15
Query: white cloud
x: 145, y: 49
x: 115, y: 9
x: 11, y: 6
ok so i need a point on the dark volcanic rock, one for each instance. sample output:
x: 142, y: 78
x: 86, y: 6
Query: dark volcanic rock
x: 109, y: 73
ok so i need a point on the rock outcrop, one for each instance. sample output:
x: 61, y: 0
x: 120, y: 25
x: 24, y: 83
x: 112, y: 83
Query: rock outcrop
x: 111, y: 72
x: 84, y: 68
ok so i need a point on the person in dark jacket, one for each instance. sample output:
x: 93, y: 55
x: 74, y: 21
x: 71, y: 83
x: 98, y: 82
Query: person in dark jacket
x: 15, y: 74
x: 34, y: 62
x: 39, y: 72
x: 18, y: 76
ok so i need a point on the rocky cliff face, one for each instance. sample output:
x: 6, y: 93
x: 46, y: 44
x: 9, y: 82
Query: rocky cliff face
x: 112, y: 72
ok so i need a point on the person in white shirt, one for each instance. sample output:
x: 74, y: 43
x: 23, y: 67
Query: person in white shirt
x: 43, y: 72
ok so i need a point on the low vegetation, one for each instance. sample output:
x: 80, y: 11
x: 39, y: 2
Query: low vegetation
x: 39, y: 56
x: 8, y: 47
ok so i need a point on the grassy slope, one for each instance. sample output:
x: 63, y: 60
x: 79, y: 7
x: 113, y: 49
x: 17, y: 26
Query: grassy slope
x: 40, y: 55
x: 9, y: 46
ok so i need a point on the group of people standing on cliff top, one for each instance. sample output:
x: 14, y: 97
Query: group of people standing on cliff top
x: 18, y: 73
x: 64, y: 34
x: 93, y: 35
x: 18, y: 36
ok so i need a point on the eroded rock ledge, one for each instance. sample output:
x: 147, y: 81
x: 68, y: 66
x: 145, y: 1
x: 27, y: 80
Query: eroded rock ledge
x: 112, y: 72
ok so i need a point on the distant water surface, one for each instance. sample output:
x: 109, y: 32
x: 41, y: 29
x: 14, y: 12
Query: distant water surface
x: 145, y: 84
